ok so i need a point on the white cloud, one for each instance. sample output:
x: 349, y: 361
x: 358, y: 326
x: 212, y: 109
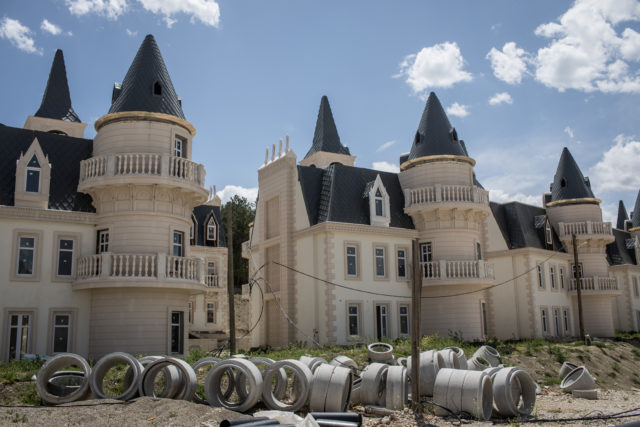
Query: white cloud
x: 112, y: 9
x: 18, y: 35
x: 569, y: 131
x: 510, y: 64
x: 619, y: 166
x: 205, y: 11
x: 385, y: 146
x: 385, y: 167
x: 586, y: 52
x: 501, y: 196
x: 458, y: 110
x: 501, y: 98
x: 231, y: 190
x: 440, y: 65
x: 50, y: 28
x: 131, y: 33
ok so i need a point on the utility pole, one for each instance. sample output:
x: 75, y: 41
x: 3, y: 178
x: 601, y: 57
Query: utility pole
x: 230, y: 285
x: 576, y: 266
x: 416, y: 295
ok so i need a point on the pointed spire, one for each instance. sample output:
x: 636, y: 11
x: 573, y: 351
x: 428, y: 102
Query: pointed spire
x: 435, y: 135
x: 147, y: 85
x: 56, y: 101
x: 326, y: 136
x: 622, y: 216
x: 635, y: 215
x: 568, y: 182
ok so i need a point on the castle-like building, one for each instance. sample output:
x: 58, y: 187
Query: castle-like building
x: 333, y: 243
x: 110, y: 244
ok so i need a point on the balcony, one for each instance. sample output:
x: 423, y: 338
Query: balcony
x: 584, y: 229
x: 595, y: 286
x: 419, y: 197
x: 142, y: 270
x: 456, y: 271
x: 211, y: 281
x: 142, y: 165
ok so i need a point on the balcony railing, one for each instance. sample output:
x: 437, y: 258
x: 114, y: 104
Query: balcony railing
x: 110, y: 266
x: 457, y: 270
x: 566, y: 229
x: 141, y: 164
x: 595, y: 284
x: 211, y: 280
x: 446, y: 193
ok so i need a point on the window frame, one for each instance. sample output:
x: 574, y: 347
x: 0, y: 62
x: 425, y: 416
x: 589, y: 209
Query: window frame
x: 408, y: 316
x: 540, y: 274
x: 28, y: 240
x: 544, y: 318
x: 547, y: 233
x: 180, y: 245
x: 213, y: 227
x: 37, y: 252
x: 636, y: 291
x: 6, y: 333
x: 210, y: 306
x: 552, y: 273
x: 484, y: 319
x: 566, y: 317
x: 102, y: 246
x: 190, y: 312
x: 406, y: 263
x: 356, y: 255
x: 34, y: 169
x: 562, y: 277
x: 57, y: 241
x: 179, y: 147
x: 54, y: 326
x: 358, y: 317
x: 383, y: 248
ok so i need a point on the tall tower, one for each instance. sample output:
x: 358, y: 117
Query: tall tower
x: 573, y: 209
x: 634, y: 227
x: 144, y: 187
x: 448, y: 208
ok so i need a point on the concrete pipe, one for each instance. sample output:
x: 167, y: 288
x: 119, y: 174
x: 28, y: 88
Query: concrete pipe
x: 566, y: 368
x: 103, y: 366
x: 301, y: 389
x: 578, y: 379
x: 585, y: 394
x: 396, y: 390
x: 345, y: 362
x: 462, y: 359
x: 63, y: 383
x: 491, y: 371
x: 188, y: 385
x: 401, y: 361
x: 450, y: 359
x: 477, y: 363
x: 355, y: 391
x: 514, y: 392
x: 489, y: 354
x: 253, y: 384
x: 430, y: 363
x: 172, y: 378
x: 380, y: 352
x: 373, y: 384
x: 312, y: 362
x: 280, y: 387
x: 53, y: 365
x: 463, y: 391
x: 330, y: 389
x: 212, y: 361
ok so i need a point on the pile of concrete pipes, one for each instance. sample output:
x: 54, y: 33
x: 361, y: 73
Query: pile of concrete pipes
x: 578, y: 381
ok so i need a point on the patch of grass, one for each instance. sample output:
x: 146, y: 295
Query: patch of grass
x: 635, y: 352
x: 18, y: 370
x: 616, y: 367
x: 558, y: 353
x: 600, y: 345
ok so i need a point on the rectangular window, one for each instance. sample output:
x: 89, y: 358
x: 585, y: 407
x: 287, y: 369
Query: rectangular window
x: 382, y: 323
x: 26, y: 255
x: 211, y: 312
x: 33, y: 181
x: 404, y: 319
x: 178, y: 148
x: 103, y: 241
x: 380, y: 270
x: 636, y: 291
x: 478, y: 251
x: 177, y: 332
x: 485, y: 326
x: 553, y: 277
x: 19, y: 335
x: 540, y: 276
x: 426, y: 257
x: 352, y: 261
x: 402, y: 263
x: 379, y: 211
x: 61, y: 332
x: 354, y: 319
x: 190, y: 311
x: 65, y: 257
x: 556, y: 321
x: 178, y: 246
x: 211, y: 230
x: 211, y: 268
x: 548, y: 235
x: 573, y: 270
x: 543, y: 313
x: 561, y: 278
x: 565, y: 314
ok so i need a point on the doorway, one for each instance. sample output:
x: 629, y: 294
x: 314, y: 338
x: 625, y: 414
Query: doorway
x: 177, y: 332
x: 19, y: 335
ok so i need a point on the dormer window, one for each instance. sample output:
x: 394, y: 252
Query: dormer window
x: 563, y: 183
x: 32, y: 182
x: 547, y: 233
x: 157, y: 88
x: 378, y: 203
x: 454, y: 134
x: 212, y: 229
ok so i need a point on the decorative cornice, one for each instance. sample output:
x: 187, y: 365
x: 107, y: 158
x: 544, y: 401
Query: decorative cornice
x: 47, y: 214
x: 356, y: 228
x: 144, y: 116
x: 436, y: 159
x: 582, y: 201
x: 528, y: 251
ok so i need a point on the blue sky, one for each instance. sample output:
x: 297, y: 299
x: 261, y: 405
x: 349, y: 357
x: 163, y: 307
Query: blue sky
x: 520, y: 80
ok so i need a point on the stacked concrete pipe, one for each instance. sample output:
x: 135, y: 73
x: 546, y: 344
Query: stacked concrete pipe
x: 380, y: 352
x: 430, y: 363
x: 331, y: 390
x: 456, y: 391
x: 489, y: 354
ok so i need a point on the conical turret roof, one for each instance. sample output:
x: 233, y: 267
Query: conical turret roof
x: 435, y: 135
x: 147, y: 85
x: 568, y: 182
x: 326, y: 136
x: 56, y: 101
x: 622, y: 216
x: 635, y: 215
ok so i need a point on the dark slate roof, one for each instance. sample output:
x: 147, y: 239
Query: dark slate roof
x: 64, y: 153
x: 435, y: 135
x: 326, y: 136
x: 517, y: 222
x: 336, y: 194
x: 568, y: 182
x: 136, y: 93
x: 617, y: 252
x: 202, y: 214
x: 622, y: 215
x: 635, y: 215
x: 56, y: 101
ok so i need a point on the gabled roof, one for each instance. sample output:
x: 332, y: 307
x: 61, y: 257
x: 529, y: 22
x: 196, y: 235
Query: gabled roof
x: 617, y: 251
x: 517, y: 222
x: 336, y: 194
x: 201, y: 214
x: 56, y: 101
x: 622, y: 216
x: 635, y: 215
x: 326, y: 136
x: 136, y: 93
x: 568, y: 182
x: 435, y: 135
x: 64, y: 153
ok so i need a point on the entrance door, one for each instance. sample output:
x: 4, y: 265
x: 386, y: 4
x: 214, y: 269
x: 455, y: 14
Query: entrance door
x: 19, y: 334
x: 382, y: 321
x: 177, y: 332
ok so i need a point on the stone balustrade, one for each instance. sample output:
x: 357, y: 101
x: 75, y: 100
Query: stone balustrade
x: 457, y: 270
x: 595, y: 284
x: 211, y: 280
x: 445, y: 193
x: 567, y: 229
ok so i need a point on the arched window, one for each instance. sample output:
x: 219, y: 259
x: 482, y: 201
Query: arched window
x: 32, y: 183
x: 157, y: 88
